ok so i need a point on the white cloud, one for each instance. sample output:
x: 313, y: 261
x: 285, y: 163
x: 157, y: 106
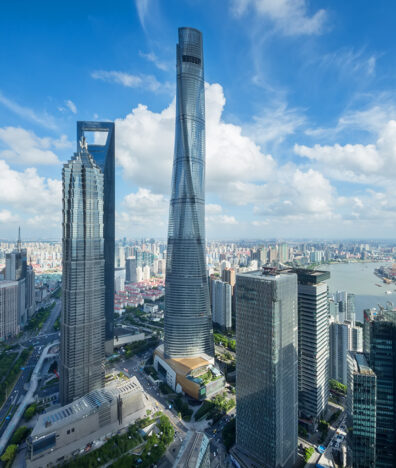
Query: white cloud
x: 7, y: 217
x: 44, y: 119
x: 26, y: 197
x: 142, y: 7
x: 148, y: 82
x: 290, y: 17
x: 72, y: 107
x: 145, y: 143
x: 151, y: 57
x: 370, y: 163
x: 25, y: 147
x: 349, y: 61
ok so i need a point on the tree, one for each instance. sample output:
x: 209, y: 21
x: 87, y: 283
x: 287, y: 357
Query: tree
x: 20, y: 434
x: 9, y: 454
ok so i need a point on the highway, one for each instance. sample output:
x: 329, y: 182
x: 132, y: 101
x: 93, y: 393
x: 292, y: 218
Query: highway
x: 38, y: 342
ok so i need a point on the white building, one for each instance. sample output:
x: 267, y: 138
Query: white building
x: 221, y: 304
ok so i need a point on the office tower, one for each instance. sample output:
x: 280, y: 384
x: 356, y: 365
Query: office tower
x: 356, y: 339
x: 339, y: 347
x: 382, y: 360
x: 221, y: 303
x: 30, y: 298
x: 16, y: 270
x: 334, y: 309
x: 104, y: 157
x: 9, y: 316
x: 361, y: 411
x: 229, y: 276
x: 313, y: 343
x: 267, y: 367
x: 130, y: 270
x: 188, y: 322
x: 342, y: 298
x: 273, y: 254
x: 350, y: 312
x: 83, y: 314
x: 283, y: 253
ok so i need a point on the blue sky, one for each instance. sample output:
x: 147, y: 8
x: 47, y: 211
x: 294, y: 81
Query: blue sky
x: 300, y: 103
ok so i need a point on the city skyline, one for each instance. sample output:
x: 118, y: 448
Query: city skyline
x: 319, y: 161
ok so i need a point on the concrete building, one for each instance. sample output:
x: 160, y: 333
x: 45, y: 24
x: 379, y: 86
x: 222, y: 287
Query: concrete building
x: 194, y: 452
x: 63, y: 431
x: 344, y: 337
x: 267, y: 368
x: 361, y: 411
x: 229, y: 276
x: 130, y: 270
x: 82, y: 350
x: 313, y: 343
x: 221, y: 304
x: 339, y: 347
x: 196, y: 377
x: 9, y: 316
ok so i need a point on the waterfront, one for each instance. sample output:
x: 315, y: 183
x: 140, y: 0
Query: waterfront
x: 359, y: 279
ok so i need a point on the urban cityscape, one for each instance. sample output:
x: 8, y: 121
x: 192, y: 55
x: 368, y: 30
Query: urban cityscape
x: 208, y: 345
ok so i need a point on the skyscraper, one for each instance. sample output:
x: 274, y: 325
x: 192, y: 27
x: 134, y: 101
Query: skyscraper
x: 9, y: 317
x: 382, y: 358
x: 221, y: 303
x: 103, y: 153
x: 267, y: 368
x: 83, y: 313
x: 188, y: 321
x: 313, y: 342
x: 361, y: 410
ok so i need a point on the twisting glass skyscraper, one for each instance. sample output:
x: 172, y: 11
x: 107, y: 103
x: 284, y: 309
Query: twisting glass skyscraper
x: 83, y: 313
x: 188, y: 322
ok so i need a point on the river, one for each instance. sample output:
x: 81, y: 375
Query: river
x: 359, y: 279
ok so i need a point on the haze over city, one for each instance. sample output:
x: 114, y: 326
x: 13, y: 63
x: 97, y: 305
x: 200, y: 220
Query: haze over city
x: 300, y: 113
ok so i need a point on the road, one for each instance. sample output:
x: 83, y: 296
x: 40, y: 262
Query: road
x: 38, y: 342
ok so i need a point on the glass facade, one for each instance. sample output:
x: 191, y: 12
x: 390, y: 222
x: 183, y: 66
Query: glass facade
x: 361, y: 410
x: 83, y: 288
x: 382, y: 336
x: 188, y: 321
x: 104, y: 157
x: 267, y: 368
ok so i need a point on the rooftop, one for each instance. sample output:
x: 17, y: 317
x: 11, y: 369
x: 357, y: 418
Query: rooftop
x: 192, y: 450
x: 362, y: 364
x: 84, y: 406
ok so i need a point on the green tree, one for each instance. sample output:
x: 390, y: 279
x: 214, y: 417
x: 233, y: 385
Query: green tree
x: 20, y: 435
x: 9, y: 454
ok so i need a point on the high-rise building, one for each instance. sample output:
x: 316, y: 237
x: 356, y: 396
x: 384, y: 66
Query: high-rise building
x: 361, y: 411
x: 30, y: 298
x: 188, y: 322
x: 103, y: 153
x: 130, y: 270
x: 229, y: 276
x: 382, y: 360
x: 339, y: 347
x: 351, y: 310
x: 221, y: 304
x: 267, y: 368
x: 9, y: 316
x: 313, y: 342
x: 194, y: 452
x: 83, y: 314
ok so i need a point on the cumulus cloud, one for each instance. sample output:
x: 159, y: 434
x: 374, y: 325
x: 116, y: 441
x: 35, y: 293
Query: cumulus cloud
x: 25, y: 147
x: 290, y: 17
x: 7, y: 217
x: 148, y: 82
x: 27, y: 191
x: 145, y: 142
x: 370, y: 163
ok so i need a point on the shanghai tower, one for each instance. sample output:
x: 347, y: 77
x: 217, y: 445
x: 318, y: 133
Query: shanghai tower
x: 188, y: 321
x: 83, y: 314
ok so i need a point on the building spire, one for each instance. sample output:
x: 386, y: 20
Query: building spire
x: 19, y: 243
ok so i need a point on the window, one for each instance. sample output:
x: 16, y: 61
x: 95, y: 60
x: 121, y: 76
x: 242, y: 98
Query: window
x: 192, y: 59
